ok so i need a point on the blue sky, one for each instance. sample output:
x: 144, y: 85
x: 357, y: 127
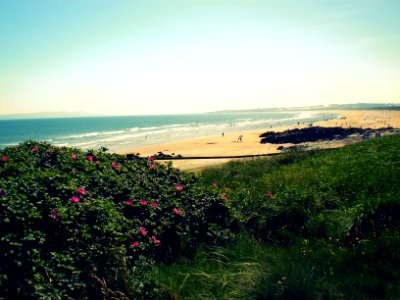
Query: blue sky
x: 159, y: 57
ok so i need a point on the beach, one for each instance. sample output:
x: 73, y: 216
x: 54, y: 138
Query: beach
x: 230, y: 144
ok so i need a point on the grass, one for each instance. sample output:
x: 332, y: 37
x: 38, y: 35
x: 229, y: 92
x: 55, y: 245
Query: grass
x: 231, y: 272
x: 331, y: 229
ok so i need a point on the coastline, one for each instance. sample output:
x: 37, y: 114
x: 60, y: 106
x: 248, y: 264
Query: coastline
x: 228, y: 144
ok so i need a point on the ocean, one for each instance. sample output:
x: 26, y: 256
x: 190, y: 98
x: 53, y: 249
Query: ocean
x: 123, y: 132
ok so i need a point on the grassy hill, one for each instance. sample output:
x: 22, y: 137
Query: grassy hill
x: 314, y: 225
x: 92, y: 225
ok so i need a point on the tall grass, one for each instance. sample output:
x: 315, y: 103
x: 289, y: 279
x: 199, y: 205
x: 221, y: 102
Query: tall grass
x: 315, y: 225
x: 231, y: 272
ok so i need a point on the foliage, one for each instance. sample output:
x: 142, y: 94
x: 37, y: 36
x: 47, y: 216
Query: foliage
x: 310, y: 225
x: 230, y: 272
x: 329, y: 218
x: 90, y: 224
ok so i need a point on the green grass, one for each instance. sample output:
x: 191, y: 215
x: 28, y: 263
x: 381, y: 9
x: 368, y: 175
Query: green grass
x: 231, y: 272
x: 331, y: 229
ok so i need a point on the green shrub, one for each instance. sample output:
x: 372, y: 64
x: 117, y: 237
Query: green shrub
x: 90, y: 224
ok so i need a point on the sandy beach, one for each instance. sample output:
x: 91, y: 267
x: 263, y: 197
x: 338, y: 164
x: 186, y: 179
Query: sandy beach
x: 228, y: 145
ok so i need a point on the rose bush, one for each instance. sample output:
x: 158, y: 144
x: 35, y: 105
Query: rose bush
x: 77, y: 224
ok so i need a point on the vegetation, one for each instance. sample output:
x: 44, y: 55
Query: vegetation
x: 306, y: 225
x: 314, y: 225
x: 91, y: 225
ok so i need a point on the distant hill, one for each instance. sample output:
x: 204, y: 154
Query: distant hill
x: 46, y: 115
x: 369, y: 106
x: 355, y: 106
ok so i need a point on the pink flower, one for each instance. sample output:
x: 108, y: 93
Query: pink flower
x: 154, y: 204
x: 81, y: 191
x: 90, y: 158
x: 135, y: 244
x: 269, y: 194
x: 75, y: 199
x: 143, y: 231
x: 154, y: 239
x: 225, y: 198
x: 97, y: 162
x: 152, y: 166
x: 35, y: 149
x: 128, y: 202
x: 215, y: 184
x: 115, y: 165
x: 4, y: 158
x: 150, y: 158
x: 73, y: 155
x: 143, y: 202
x: 179, y: 188
x: 177, y: 211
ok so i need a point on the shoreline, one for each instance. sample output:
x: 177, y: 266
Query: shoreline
x: 228, y: 145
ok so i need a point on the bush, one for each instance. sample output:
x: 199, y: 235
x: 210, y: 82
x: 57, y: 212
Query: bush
x: 90, y: 224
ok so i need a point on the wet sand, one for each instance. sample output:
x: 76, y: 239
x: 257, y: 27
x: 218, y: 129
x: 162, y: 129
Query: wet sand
x: 229, y: 145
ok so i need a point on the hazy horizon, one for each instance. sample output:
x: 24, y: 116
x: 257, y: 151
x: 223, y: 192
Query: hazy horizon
x: 176, y: 57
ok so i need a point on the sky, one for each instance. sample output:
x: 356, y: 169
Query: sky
x: 126, y: 57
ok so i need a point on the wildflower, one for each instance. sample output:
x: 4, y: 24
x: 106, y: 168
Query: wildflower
x: 54, y: 215
x: 177, y: 211
x: 152, y: 166
x: 215, y: 184
x: 150, y: 158
x: 90, y: 158
x: 223, y: 197
x: 73, y: 155
x: 269, y: 194
x: 4, y: 158
x: 179, y: 188
x: 35, y: 149
x: 143, y: 231
x: 154, y: 204
x: 75, y: 199
x: 81, y: 191
x: 154, y: 239
x: 2, y: 193
x: 115, y: 165
x: 143, y: 202
x: 135, y: 244
x: 97, y: 162
x: 128, y: 202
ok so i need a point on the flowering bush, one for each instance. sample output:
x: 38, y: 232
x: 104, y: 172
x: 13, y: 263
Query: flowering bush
x: 78, y: 225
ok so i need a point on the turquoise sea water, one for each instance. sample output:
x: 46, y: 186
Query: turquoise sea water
x: 123, y: 132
